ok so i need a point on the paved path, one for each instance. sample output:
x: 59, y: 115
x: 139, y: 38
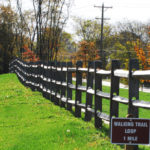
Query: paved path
x: 123, y: 86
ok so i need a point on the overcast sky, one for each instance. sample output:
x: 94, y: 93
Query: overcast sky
x: 122, y: 9
x: 131, y: 9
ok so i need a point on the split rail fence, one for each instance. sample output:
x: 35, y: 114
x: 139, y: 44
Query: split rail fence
x: 55, y: 81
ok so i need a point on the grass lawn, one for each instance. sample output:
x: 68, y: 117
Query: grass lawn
x: 123, y: 108
x: 30, y: 122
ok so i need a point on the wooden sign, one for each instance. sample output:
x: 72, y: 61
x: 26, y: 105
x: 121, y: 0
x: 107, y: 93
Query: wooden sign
x: 130, y: 131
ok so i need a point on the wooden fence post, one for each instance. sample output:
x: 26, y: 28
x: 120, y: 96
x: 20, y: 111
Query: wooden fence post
x: 98, y: 100
x: 133, y: 95
x: 39, y: 75
x: 28, y: 77
x: 25, y: 70
x: 52, y: 91
x: 63, y: 88
x: 49, y: 75
x: 14, y: 68
x: 32, y: 77
x: 69, y: 90
x: 46, y: 82
x: 36, y: 75
x: 114, y: 106
x: 57, y: 87
x: 115, y: 81
x: 43, y: 80
x: 29, y: 70
x: 133, y: 88
x: 89, y: 96
x: 78, y: 92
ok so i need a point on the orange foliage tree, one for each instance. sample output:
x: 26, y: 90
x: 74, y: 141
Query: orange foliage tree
x: 29, y: 55
x: 87, y: 52
x: 143, y: 57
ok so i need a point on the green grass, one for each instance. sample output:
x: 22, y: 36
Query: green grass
x: 30, y: 122
x: 123, y: 108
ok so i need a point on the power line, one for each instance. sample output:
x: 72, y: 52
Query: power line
x: 83, y: 7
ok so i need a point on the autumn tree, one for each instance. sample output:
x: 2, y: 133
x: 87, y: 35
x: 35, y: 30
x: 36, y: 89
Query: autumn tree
x: 87, y: 52
x: 125, y: 35
x: 90, y: 31
x: 49, y: 17
x: 8, y: 36
x: 28, y: 55
x: 143, y: 54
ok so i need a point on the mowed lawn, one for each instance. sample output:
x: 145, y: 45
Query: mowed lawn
x: 30, y: 122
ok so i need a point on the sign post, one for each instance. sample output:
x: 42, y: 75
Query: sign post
x: 130, y: 131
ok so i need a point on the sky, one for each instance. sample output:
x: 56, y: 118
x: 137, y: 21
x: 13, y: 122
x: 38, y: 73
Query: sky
x: 121, y: 10
x: 131, y: 9
x: 138, y: 10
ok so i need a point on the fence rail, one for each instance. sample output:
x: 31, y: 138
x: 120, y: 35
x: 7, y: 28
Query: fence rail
x: 55, y: 81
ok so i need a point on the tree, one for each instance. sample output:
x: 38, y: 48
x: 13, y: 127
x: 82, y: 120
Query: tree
x: 67, y: 47
x: 131, y: 30
x: 90, y: 31
x: 29, y: 56
x: 67, y: 42
x: 143, y: 55
x: 49, y: 18
x: 7, y: 37
x: 40, y: 29
x: 122, y: 52
x: 87, y: 52
x: 125, y: 36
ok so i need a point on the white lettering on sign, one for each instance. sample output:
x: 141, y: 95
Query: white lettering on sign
x: 124, y: 138
x: 141, y: 124
x: 132, y: 138
x: 131, y: 131
x: 123, y: 124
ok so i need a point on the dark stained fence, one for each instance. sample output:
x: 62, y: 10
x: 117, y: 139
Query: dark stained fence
x: 55, y: 81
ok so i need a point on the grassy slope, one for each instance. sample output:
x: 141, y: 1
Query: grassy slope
x: 28, y: 121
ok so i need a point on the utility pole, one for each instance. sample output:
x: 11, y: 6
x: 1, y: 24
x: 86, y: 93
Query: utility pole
x: 39, y: 29
x: 40, y: 24
x: 101, y: 53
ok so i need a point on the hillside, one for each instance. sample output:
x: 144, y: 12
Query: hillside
x: 30, y: 122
